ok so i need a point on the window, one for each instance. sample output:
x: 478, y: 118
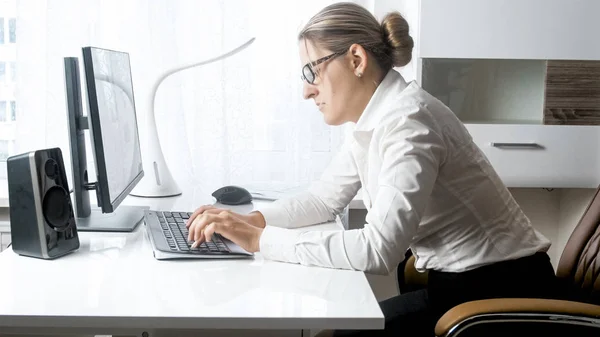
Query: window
x: 1, y: 30
x: 8, y: 79
x: 2, y: 111
x: 240, y: 97
x: 13, y: 111
x: 12, y: 30
x: 13, y: 71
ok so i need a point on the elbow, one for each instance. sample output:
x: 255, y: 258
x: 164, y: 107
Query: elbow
x: 378, y: 265
x: 369, y: 254
x: 379, y: 268
x: 380, y: 258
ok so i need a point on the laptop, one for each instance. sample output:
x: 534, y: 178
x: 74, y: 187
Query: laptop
x: 168, y: 236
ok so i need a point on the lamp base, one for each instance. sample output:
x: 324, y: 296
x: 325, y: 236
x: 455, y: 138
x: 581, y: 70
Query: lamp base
x: 148, y: 189
x: 157, y: 181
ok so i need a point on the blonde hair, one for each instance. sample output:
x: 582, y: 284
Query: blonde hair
x: 338, y: 26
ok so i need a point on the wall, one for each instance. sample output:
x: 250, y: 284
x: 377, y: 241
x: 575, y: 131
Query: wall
x: 554, y: 213
x: 410, y: 10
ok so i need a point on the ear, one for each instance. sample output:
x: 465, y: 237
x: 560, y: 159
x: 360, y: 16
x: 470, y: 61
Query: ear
x: 358, y: 59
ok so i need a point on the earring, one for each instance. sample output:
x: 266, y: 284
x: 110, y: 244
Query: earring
x: 359, y: 74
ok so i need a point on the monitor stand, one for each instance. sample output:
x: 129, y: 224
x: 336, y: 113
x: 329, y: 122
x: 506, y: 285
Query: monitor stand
x: 123, y: 219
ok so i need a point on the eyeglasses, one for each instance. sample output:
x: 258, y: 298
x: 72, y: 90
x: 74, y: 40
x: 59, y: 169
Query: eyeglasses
x: 308, y: 74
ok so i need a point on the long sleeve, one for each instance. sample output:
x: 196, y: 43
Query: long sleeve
x: 325, y: 198
x: 411, y: 154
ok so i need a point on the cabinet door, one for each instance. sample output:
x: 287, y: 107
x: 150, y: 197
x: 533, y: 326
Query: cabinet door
x: 517, y: 29
x: 547, y: 156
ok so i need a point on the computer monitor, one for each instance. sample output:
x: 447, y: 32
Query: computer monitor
x: 114, y: 138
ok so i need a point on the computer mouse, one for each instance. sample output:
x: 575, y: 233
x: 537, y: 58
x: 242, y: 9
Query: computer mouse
x: 232, y: 195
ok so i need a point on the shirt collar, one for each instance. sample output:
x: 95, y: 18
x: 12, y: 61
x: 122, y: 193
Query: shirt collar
x: 393, y: 83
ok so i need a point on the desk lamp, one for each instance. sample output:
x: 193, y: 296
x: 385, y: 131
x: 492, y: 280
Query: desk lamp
x: 157, y: 180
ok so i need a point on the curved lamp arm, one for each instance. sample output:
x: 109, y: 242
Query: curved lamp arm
x: 157, y: 180
x: 197, y: 64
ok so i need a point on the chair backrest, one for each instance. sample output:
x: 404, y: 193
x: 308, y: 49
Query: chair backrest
x: 579, y: 266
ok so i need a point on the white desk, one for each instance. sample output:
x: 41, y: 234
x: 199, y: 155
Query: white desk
x: 113, y: 285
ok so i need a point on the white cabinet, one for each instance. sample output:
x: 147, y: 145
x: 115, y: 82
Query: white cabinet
x: 510, y: 29
x: 548, y: 156
x: 488, y: 61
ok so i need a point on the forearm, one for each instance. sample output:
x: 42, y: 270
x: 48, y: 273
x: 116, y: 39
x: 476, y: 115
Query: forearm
x: 359, y: 249
x: 302, y: 210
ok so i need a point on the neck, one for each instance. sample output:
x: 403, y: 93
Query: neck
x: 368, y: 85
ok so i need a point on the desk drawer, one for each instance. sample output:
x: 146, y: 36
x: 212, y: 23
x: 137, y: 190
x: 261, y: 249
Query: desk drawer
x: 550, y: 156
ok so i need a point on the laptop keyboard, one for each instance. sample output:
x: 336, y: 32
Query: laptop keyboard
x: 176, y: 234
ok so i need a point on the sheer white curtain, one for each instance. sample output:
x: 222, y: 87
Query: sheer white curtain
x: 238, y: 121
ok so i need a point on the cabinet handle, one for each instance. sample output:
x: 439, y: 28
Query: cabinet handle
x: 517, y: 145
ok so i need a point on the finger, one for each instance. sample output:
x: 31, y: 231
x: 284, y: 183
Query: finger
x: 211, y: 229
x: 200, y: 234
x: 197, y: 212
x: 192, y: 228
x: 199, y: 241
x: 191, y: 231
x: 198, y: 225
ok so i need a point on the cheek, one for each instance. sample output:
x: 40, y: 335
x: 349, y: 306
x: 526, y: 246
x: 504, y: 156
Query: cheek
x: 336, y: 111
x: 336, y: 92
x: 338, y: 99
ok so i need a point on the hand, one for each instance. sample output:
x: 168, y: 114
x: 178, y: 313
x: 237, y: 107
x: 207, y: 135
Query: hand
x: 255, y: 218
x: 203, y: 227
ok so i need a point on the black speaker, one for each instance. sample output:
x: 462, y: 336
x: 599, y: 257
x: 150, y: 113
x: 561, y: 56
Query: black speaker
x: 42, y: 222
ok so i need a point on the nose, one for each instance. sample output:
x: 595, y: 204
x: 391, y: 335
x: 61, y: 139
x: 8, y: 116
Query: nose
x: 309, y: 91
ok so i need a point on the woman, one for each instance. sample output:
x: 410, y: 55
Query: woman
x: 426, y: 185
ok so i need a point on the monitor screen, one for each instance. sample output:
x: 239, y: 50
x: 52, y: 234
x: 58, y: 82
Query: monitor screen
x: 113, y: 124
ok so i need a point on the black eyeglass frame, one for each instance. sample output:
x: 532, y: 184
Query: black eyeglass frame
x: 308, y: 74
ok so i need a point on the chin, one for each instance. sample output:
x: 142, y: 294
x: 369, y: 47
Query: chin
x: 331, y: 119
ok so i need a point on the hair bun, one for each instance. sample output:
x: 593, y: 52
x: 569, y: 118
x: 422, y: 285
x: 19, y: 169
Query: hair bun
x: 396, y: 35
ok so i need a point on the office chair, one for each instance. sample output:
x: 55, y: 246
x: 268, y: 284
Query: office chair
x: 576, y: 313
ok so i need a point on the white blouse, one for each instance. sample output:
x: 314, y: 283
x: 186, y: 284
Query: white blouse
x: 425, y: 184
